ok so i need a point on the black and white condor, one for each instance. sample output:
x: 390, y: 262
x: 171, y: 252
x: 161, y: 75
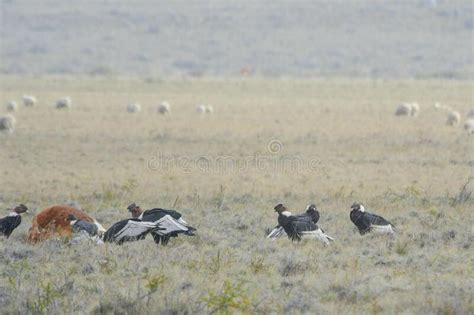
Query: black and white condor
x: 310, y: 212
x: 162, y: 224
x: 12, y: 221
x: 368, y: 222
x: 298, y: 227
x: 170, y: 223
x: 80, y: 225
x: 128, y: 230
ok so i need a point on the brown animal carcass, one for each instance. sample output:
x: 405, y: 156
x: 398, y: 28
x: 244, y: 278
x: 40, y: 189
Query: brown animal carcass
x: 53, y: 221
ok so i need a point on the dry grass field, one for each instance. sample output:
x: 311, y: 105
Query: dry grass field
x: 269, y: 141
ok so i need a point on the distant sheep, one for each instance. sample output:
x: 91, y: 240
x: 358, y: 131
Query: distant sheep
x: 7, y: 123
x: 134, y: 108
x: 164, y: 108
x: 404, y: 109
x: 454, y: 118
x: 64, y: 102
x: 203, y: 109
x: 209, y: 109
x: 29, y: 100
x: 12, y: 106
x: 469, y: 126
x: 407, y: 109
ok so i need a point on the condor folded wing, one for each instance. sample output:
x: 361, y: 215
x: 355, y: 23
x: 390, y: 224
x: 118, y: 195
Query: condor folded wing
x: 129, y: 230
x: 158, y: 214
x: 295, y: 228
x: 376, y: 219
x: 168, y: 225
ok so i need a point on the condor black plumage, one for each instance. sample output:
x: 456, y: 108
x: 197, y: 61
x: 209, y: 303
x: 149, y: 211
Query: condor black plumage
x: 367, y: 222
x: 81, y: 225
x: 12, y: 221
x: 171, y: 224
x: 299, y: 227
x: 311, y: 213
x: 128, y: 230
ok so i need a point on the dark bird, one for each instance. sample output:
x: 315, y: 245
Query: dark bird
x: 299, y: 227
x: 368, y: 222
x: 311, y: 212
x: 12, y: 221
x: 170, y: 222
x: 81, y: 225
x: 129, y: 230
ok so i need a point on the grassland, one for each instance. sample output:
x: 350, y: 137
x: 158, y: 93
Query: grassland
x: 330, y: 142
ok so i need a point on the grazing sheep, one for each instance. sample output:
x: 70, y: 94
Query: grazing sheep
x: 12, y: 106
x: 403, y: 109
x: 7, y: 123
x: 407, y: 109
x: 204, y: 109
x: 201, y: 109
x: 470, y: 114
x: 134, y: 108
x: 164, y: 108
x: 415, y: 108
x: 64, y: 102
x: 469, y: 126
x: 454, y: 118
x: 29, y: 100
x: 209, y: 109
x: 53, y: 221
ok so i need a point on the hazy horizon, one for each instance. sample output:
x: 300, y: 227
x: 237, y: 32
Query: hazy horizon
x: 371, y: 39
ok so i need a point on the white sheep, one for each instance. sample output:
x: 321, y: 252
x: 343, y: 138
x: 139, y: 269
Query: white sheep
x: 134, y: 108
x: 209, y: 109
x: 415, y: 109
x: 29, y: 100
x: 469, y: 126
x: 204, y: 109
x: 201, y: 109
x: 454, y: 118
x: 164, y: 108
x: 64, y: 102
x: 403, y: 109
x: 407, y: 109
x: 12, y: 106
x: 7, y: 123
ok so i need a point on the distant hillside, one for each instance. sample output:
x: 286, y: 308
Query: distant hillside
x: 371, y: 38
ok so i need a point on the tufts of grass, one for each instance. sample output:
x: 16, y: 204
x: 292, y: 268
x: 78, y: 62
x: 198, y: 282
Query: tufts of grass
x: 230, y: 299
x: 258, y: 265
x: 401, y: 248
x: 464, y: 195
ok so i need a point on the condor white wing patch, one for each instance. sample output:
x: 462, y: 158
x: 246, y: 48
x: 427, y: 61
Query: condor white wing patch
x: 100, y: 227
x: 167, y: 225
x: 276, y: 232
x: 134, y: 229
x: 383, y: 229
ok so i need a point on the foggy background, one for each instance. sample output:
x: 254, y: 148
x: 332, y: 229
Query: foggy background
x: 382, y: 39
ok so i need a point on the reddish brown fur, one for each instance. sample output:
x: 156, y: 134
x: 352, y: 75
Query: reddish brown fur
x: 53, y: 221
